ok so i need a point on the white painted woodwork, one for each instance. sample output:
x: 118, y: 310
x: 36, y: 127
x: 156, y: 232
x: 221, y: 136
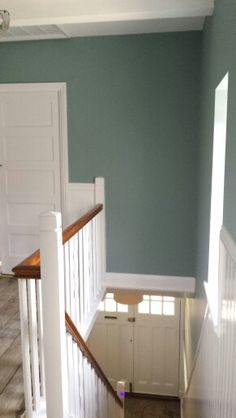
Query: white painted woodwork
x: 53, y: 309
x: 59, y: 381
x: 65, y: 9
x: 87, y: 394
x: 210, y: 388
x: 80, y: 200
x: 32, y: 150
x: 42, y: 20
x: 144, y: 353
x: 85, y: 261
x: 217, y: 191
x: 156, y: 353
x: 32, y: 348
x: 151, y: 284
x: 111, y: 341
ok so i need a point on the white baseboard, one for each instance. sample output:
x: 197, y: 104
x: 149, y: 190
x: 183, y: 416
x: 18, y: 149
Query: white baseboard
x: 178, y: 285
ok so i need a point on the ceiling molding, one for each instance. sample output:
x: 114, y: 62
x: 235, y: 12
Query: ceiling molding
x: 73, y: 18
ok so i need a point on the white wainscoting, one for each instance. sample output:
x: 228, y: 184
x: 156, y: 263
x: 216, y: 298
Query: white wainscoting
x: 80, y: 200
x: 81, y: 197
x: 211, y: 386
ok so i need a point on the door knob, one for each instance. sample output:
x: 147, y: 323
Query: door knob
x: 132, y: 319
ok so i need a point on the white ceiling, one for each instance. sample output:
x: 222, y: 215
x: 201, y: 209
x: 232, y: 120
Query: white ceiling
x: 66, y: 18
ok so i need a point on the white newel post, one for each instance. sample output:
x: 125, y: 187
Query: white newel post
x: 100, y: 198
x: 53, y: 308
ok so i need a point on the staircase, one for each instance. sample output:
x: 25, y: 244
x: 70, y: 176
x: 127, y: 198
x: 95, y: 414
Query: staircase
x: 60, y: 289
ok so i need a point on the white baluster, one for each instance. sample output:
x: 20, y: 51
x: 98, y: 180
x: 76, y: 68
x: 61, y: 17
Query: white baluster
x: 40, y: 334
x: 34, y: 349
x: 69, y: 343
x: 25, y: 344
x: 67, y: 279
x: 81, y: 278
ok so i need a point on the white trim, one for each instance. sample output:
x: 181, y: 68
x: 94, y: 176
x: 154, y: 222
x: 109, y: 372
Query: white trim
x: 212, y: 298
x: 80, y: 199
x: 228, y: 242
x: 87, y: 187
x: 198, y: 349
x: 64, y: 165
x: 181, y: 286
x: 117, y: 17
x: 12, y: 87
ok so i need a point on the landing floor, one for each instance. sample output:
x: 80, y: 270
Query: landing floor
x: 151, y: 408
x: 11, y: 380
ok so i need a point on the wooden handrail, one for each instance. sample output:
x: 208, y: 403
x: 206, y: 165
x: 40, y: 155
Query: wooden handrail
x: 71, y: 328
x: 80, y: 223
x: 29, y: 268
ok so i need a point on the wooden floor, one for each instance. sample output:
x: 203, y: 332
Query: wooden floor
x: 151, y: 408
x: 11, y: 380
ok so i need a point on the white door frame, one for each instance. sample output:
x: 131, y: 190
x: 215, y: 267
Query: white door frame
x: 60, y: 89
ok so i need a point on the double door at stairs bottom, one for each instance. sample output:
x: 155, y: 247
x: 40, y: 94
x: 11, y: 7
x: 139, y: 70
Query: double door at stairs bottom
x: 139, y: 344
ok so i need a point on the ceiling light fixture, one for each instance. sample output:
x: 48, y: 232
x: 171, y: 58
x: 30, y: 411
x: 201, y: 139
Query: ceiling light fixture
x: 128, y: 298
x: 4, y: 20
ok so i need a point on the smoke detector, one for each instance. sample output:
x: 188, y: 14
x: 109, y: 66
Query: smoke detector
x: 4, y: 20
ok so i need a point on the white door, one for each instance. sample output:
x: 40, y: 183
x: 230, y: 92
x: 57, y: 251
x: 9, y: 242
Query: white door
x: 111, y: 341
x: 30, y: 134
x: 156, y: 345
x: 141, y: 345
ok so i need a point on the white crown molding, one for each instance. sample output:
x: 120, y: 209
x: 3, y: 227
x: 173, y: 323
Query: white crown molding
x: 110, y: 17
x: 178, y: 285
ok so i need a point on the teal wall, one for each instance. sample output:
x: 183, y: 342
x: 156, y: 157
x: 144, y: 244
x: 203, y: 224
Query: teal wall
x: 218, y: 58
x: 133, y: 116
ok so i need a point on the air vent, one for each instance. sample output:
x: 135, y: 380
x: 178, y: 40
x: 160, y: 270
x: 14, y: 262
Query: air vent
x: 29, y: 33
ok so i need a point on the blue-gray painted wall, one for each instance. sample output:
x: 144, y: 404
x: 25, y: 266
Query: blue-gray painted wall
x: 133, y: 117
x: 218, y: 58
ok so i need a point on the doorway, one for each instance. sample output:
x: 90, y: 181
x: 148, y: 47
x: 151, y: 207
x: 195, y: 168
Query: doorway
x: 139, y: 344
x: 33, y: 163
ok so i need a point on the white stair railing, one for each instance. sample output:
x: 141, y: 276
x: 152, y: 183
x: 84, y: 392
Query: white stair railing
x: 90, y: 393
x: 32, y: 347
x: 84, y: 268
x: 72, y: 276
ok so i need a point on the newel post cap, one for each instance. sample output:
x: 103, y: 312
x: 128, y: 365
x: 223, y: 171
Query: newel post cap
x: 50, y: 221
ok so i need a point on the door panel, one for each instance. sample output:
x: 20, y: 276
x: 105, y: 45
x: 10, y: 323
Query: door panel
x: 111, y: 341
x: 156, y: 349
x: 30, y: 168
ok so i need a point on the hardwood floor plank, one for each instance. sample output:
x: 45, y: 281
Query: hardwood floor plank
x: 12, y: 399
x: 11, y: 379
x: 9, y: 363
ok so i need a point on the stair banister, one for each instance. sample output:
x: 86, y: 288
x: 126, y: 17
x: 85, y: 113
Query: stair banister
x: 73, y: 261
